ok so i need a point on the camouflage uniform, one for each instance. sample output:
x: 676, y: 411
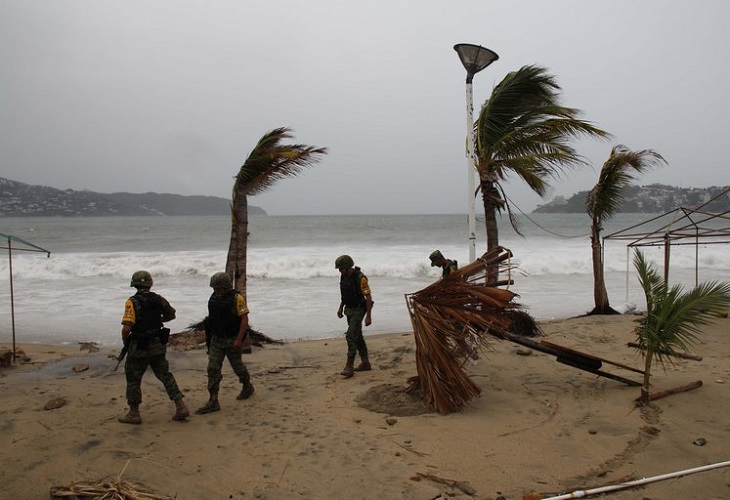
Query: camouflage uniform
x: 225, y: 313
x: 220, y: 348
x: 355, y: 339
x: 356, y: 303
x: 147, y: 351
x: 447, y: 266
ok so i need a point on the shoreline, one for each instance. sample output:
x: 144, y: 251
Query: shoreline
x: 538, y: 426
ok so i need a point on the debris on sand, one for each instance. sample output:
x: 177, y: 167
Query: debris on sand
x: 106, y: 490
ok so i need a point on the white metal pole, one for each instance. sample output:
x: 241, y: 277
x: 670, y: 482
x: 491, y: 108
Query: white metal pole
x: 470, y: 169
x: 636, y: 482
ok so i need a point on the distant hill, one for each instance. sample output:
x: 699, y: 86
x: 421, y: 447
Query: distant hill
x: 24, y: 200
x: 651, y: 199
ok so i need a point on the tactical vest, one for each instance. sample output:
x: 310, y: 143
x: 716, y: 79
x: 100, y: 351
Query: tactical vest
x: 223, y: 320
x: 350, y: 290
x: 148, y: 312
x: 450, y: 268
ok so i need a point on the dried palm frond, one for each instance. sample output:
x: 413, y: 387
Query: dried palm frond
x: 259, y: 339
x: 106, y: 490
x: 454, y: 316
x: 256, y: 337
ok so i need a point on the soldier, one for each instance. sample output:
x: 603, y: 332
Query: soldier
x: 145, y: 340
x: 225, y: 327
x: 357, y: 304
x: 447, y: 265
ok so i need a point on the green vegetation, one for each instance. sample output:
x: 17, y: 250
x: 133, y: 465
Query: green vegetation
x: 268, y: 162
x: 673, y: 316
x: 604, y: 200
x: 523, y: 131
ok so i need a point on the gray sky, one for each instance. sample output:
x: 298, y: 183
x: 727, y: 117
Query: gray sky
x: 171, y: 96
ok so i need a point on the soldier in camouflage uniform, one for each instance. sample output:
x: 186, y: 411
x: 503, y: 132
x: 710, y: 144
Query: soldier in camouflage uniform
x: 225, y: 329
x: 447, y: 266
x: 356, y: 303
x: 145, y: 339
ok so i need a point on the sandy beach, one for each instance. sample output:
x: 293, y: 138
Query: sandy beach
x: 539, y: 429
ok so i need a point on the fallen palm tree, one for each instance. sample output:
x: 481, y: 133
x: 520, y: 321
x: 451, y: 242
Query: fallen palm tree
x: 452, y: 318
x: 194, y: 337
x: 456, y: 317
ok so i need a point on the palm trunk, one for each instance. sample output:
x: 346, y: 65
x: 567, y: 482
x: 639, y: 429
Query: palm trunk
x: 491, y: 200
x: 238, y: 246
x: 645, y: 394
x: 600, y: 295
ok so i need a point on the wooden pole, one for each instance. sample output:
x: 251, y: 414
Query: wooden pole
x: 669, y: 392
x: 12, y: 295
x: 683, y: 355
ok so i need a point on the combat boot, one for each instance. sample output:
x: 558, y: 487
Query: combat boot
x: 364, y: 365
x: 211, y: 406
x: 246, y: 392
x: 181, y: 410
x: 132, y: 416
x: 349, y: 369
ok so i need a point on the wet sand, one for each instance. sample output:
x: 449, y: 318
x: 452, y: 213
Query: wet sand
x: 539, y: 427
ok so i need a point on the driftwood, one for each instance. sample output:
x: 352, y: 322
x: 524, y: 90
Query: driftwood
x: 683, y: 355
x: 669, y: 392
x: 461, y: 485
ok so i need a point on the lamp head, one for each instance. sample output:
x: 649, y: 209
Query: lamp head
x: 474, y: 58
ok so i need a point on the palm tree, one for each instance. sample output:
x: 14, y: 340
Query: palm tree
x: 605, y: 199
x: 673, y: 316
x: 268, y: 162
x: 523, y: 130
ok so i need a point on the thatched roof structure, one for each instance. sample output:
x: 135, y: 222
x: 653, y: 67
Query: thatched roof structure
x: 455, y: 317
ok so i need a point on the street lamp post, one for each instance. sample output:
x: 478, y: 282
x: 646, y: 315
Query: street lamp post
x: 474, y: 58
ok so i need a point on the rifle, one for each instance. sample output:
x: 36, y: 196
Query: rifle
x: 122, y: 355
x: 208, y: 334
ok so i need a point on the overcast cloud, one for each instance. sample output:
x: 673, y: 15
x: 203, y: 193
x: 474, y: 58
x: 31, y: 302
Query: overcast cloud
x: 170, y: 96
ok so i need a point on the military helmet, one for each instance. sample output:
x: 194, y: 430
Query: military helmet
x: 436, y: 256
x: 221, y: 280
x: 344, y: 262
x: 141, y: 279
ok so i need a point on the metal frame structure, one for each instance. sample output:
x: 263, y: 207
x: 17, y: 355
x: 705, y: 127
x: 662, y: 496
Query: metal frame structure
x: 686, y: 226
x: 25, y: 247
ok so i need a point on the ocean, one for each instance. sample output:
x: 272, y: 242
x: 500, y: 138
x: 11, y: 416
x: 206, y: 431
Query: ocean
x: 77, y: 294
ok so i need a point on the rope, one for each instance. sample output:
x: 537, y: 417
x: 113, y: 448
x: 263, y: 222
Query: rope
x: 544, y: 228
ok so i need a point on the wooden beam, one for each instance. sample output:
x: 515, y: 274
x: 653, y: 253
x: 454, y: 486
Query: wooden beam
x: 683, y: 355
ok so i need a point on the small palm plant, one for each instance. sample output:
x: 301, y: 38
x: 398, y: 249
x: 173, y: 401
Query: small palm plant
x: 673, y: 316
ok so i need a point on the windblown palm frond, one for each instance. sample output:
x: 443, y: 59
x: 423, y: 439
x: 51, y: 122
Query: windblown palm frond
x: 618, y: 172
x: 523, y: 131
x: 451, y: 318
x: 270, y: 161
x: 673, y: 317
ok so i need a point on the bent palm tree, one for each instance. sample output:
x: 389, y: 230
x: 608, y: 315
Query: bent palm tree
x: 673, y: 316
x: 605, y: 199
x: 268, y: 162
x: 523, y: 130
